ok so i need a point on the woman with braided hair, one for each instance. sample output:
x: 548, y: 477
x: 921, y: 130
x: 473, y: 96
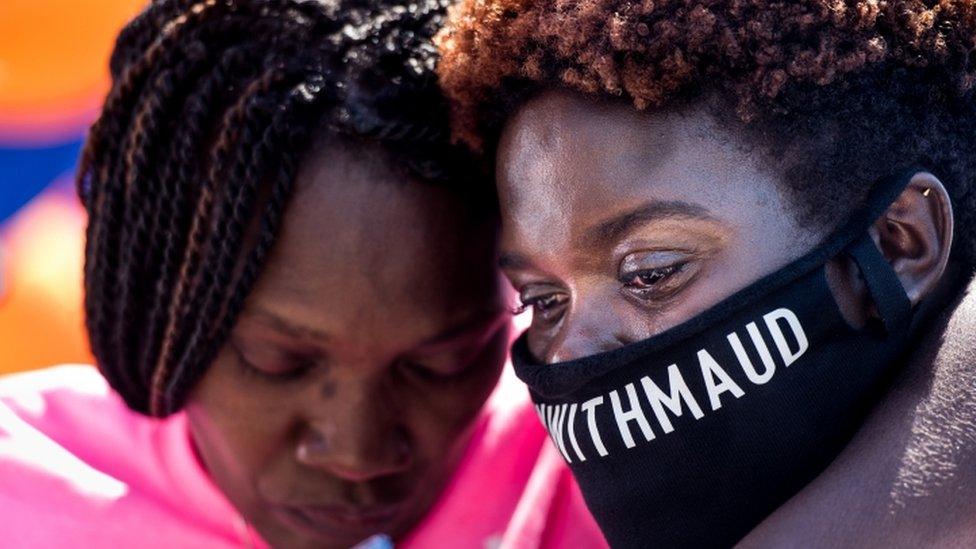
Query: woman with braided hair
x: 291, y: 294
x: 747, y: 232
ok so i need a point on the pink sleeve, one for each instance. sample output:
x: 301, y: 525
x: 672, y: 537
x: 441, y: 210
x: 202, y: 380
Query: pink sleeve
x: 552, y: 513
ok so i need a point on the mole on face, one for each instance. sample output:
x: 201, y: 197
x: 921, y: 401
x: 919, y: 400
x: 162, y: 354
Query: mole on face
x: 328, y: 389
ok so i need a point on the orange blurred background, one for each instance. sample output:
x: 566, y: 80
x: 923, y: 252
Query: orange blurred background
x: 53, y: 77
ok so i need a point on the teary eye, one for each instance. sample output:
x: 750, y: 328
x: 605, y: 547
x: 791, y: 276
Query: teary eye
x: 655, y: 275
x: 646, y: 279
x: 546, y: 302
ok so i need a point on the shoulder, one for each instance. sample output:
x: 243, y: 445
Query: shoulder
x: 30, y: 393
x: 48, y: 425
x: 81, y: 377
x: 57, y: 427
x: 76, y: 463
x: 909, y: 474
x: 63, y: 403
x: 71, y: 407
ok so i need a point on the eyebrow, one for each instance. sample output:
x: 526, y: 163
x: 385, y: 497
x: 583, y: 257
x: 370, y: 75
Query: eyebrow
x: 513, y: 260
x: 287, y: 327
x: 611, y: 229
x: 468, y: 328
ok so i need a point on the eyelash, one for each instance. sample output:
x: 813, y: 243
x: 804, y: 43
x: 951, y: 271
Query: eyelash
x: 430, y: 376
x: 661, y: 274
x: 526, y: 304
x: 251, y: 370
x: 654, y: 284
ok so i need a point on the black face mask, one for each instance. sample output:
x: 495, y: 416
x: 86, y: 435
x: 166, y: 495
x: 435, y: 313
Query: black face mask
x: 694, y: 436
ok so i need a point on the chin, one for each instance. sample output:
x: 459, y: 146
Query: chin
x: 321, y: 525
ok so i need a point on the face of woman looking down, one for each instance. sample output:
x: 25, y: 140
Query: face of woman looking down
x: 345, y: 395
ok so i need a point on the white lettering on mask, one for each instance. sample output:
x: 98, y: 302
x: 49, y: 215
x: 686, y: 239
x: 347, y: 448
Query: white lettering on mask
x: 590, y: 408
x: 635, y: 414
x: 560, y: 420
x: 711, y: 372
x: 789, y: 357
x: 744, y: 361
x: 571, y: 430
x: 679, y: 391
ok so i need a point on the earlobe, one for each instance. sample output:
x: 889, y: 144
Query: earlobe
x: 915, y: 235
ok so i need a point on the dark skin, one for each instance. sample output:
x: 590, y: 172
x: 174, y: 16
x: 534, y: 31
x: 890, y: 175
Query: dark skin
x: 347, y: 392
x: 618, y: 225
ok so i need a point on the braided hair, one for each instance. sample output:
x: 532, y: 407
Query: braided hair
x: 188, y: 171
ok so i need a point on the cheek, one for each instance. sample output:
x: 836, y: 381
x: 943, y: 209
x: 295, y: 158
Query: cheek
x: 441, y: 414
x: 238, y: 431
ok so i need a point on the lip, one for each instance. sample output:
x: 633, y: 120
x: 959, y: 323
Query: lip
x: 339, y: 519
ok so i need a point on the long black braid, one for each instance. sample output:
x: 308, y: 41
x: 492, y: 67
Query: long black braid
x: 212, y: 106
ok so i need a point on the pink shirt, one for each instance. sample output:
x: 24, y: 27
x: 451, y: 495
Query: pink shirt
x: 79, y: 469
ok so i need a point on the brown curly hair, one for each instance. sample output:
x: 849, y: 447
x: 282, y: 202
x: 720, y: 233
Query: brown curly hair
x: 837, y: 92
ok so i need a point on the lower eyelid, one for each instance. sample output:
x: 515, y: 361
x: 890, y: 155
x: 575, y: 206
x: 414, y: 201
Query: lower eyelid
x: 671, y: 285
x: 431, y: 374
x: 284, y: 375
x: 675, y: 268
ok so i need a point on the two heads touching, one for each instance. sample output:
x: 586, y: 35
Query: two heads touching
x: 739, y: 227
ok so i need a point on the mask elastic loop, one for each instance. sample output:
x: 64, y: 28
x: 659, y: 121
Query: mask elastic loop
x: 885, y: 288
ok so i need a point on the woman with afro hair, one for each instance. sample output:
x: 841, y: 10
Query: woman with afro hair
x: 292, y: 297
x: 747, y: 232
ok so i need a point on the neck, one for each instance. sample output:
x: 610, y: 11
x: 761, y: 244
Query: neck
x: 909, y: 474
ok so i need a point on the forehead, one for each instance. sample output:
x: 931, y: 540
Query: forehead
x: 566, y: 159
x: 361, y: 242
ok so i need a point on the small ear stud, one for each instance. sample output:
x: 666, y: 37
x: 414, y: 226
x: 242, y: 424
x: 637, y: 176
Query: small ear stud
x: 926, y: 192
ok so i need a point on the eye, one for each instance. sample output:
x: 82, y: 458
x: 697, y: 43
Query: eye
x: 547, y: 303
x: 647, y: 279
x: 273, y: 366
x: 656, y: 275
x: 430, y: 374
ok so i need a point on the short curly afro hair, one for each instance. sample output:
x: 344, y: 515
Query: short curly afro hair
x: 838, y: 92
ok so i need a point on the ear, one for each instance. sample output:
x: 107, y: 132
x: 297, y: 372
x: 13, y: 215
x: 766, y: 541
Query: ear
x: 915, y: 235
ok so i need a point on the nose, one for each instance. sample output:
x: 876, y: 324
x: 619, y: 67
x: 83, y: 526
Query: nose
x: 357, y: 437
x: 584, y: 331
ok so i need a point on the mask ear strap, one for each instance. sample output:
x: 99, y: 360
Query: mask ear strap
x: 885, y: 288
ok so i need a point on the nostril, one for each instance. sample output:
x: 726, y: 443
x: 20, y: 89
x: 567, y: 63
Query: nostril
x: 312, y: 448
x: 355, y: 456
x: 368, y: 468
